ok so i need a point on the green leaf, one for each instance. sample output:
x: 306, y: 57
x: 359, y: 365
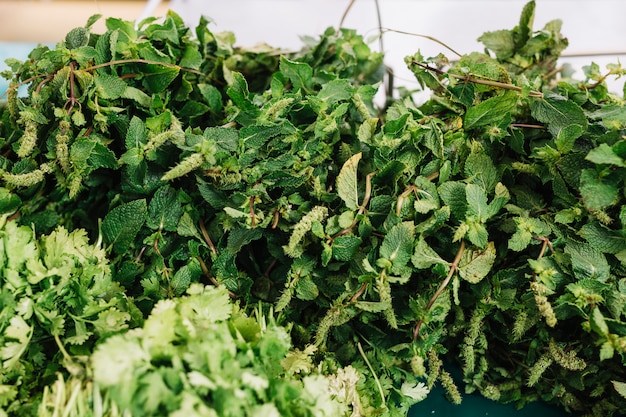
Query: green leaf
x: 306, y: 289
x: 560, y: 113
x: 477, y: 206
x: 122, y: 223
x: 397, y: 246
x: 490, y: 111
x: 526, y: 228
x: 164, y: 210
x: 299, y: 73
x: 602, y: 238
x: 480, y: 170
x: 344, y: 247
x: 165, y: 31
x: 184, y: 277
x: 347, y: 183
x: 240, y: 237
x: 566, y: 137
x: 110, y: 86
x: 192, y: 58
x: 607, y: 351
x: 88, y: 154
x: 501, y: 42
x: 597, y: 194
x: 9, y: 202
x: 453, y: 195
x: 597, y: 322
x: 136, y: 135
x: 335, y: 91
x: 476, y: 233
x: 587, y: 262
x: 158, y: 77
x: 476, y: 264
x: 424, y: 256
x: 604, y: 154
x: 620, y: 387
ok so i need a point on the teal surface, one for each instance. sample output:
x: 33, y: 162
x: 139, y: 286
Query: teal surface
x: 437, y: 405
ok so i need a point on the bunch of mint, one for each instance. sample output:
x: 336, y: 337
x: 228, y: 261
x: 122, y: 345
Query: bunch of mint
x: 483, y: 228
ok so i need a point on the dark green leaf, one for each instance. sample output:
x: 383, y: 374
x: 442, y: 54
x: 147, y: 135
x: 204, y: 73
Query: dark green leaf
x: 122, y: 223
x: 158, y: 77
x: 560, y: 113
x: 238, y: 238
x: 344, y: 247
x: 453, y: 195
x: 490, y: 111
x: 164, y: 210
x: 587, y: 262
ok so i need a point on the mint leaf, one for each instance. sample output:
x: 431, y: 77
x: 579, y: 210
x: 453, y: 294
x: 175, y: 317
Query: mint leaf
x: 604, y: 154
x: 477, y: 206
x: 480, y: 169
x: 596, y: 193
x: 299, y: 73
x: 164, y: 210
x: 347, y: 183
x: 587, y: 262
x: 344, y: 247
x: 158, y: 77
x: 453, y: 195
x: 476, y: 264
x: 560, y: 114
x: 424, y: 256
x: 397, y: 246
x: 122, y: 224
x: 490, y: 111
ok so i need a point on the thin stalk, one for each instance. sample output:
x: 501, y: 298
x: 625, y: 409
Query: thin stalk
x: 430, y: 38
x: 369, y: 365
x: 498, y: 84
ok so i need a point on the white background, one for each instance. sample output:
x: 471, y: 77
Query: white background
x: 592, y: 26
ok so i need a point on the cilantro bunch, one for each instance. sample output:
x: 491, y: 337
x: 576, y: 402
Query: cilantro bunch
x: 57, y: 299
x: 483, y: 228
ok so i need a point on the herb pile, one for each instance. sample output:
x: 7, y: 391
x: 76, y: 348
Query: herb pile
x: 266, y: 241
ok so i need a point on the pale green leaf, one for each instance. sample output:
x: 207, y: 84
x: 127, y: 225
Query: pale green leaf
x: 477, y: 206
x: 425, y: 257
x: 476, y: 264
x: 604, y: 154
x: 397, y: 246
x: 607, y: 351
x: 347, y: 183
x: 597, y: 322
x: 620, y: 387
x: 477, y: 233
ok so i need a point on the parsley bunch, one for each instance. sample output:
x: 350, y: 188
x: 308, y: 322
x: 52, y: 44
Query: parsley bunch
x: 483, y: 227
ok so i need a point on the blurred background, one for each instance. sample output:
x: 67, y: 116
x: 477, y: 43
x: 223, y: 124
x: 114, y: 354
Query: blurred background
x: 595, y: 28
